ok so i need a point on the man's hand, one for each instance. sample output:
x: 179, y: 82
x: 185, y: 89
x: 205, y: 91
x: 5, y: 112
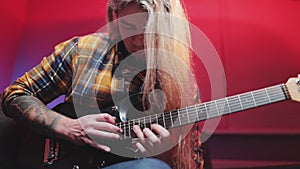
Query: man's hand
x: 150, y: 144
x: 90, y: 128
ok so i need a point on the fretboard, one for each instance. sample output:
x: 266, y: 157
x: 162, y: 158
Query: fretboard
x: 208, y: 110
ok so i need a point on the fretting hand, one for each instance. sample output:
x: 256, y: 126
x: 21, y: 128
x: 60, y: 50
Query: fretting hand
x: 148, y: 143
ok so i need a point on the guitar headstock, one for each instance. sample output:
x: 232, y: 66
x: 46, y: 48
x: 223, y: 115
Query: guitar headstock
x: 293, y: 86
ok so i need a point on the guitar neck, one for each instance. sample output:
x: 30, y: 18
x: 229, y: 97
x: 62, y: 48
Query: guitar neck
x: 208, y: 110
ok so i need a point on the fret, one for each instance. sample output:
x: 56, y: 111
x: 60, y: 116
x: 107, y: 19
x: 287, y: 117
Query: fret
x: 206, y: 110
x: 260, y: 97
x: 175, y: 119
x: 192, y: 113
x: 239, y: 97
x: 139, y: 121
x: 212, y: 109
x: 253, y: 98
x: 183, y: 116
x: 218, y: 111
x: 118, y: 125
x: 133, y: 123
x: 129, y: 129
x: 123, y: 136
x: 197, y: 112
x: 234, y: 103
x: 133, y: 135
x: 150, y: 123
x: 187, y: 115
x: 222, y: 106
x: 160, y: 119
x: 274, y: 98
x: 131, y: 132
x: 268, y: 95
x: 202, y: 112
x: 227, y: 102
x: 147, y: 122
x: 143, y: 123
x: 168, y: 120
x: 125, y: 130
x: 246, y: 101
x: 164, y: 121
x: 178, y: 113
x: 123, y: 126
x: 153, y: 119
x: 275, y: 93
x: 171, y: 119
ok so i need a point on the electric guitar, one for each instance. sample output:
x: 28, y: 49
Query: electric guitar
x: 57, y: 156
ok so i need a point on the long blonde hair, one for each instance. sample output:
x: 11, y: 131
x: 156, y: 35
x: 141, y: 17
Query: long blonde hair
x: 167, y: 42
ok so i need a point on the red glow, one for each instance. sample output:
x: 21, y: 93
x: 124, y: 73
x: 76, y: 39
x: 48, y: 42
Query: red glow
x: 259, y: 46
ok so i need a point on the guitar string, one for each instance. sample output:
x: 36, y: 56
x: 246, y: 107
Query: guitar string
x: 193, y: 110
x: 274, y: 92
x: 194, y: 115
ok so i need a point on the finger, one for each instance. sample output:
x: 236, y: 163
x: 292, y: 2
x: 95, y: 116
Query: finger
x: 160, y: 130
x: 151, y: 136
x: 96, y: 145
x: 137, y: 130
x: 142, y: 149
x: 105, y: 117
x: 142, y: 139
x: 107, y: 127
x: 102, y: 134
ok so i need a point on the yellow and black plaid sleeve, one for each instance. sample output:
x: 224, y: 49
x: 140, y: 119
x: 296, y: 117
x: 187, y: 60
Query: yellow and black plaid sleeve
x: 51, y: 78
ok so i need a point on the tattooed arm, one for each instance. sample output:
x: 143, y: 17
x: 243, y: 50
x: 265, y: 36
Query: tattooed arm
x: 25, y: 100
x: 34, y: 114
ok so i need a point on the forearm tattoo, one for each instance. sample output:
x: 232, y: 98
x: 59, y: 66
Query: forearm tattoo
x: 35, y: 114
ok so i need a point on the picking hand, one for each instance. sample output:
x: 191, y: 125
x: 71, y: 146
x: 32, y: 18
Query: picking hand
x: 89, y: 128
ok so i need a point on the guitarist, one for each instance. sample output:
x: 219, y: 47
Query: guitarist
x: 93, y: 70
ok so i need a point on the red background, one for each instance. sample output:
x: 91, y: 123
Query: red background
x: 257, y: 41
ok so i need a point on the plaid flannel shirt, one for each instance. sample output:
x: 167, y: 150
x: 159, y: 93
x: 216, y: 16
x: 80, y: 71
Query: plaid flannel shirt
x: 82, y: 70
x: 81, y: 66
